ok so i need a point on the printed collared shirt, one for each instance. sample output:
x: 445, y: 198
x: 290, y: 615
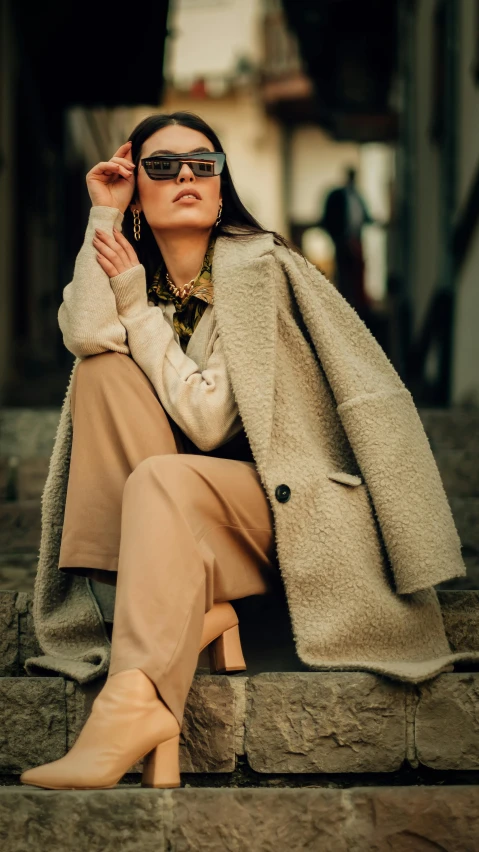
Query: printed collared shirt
x: 190, y: 308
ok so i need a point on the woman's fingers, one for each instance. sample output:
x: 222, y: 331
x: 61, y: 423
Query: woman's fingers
x: 106, y: 169
x: 107, y: 266
x: 111, y: 250
x: 111, y: 183
x: 122, y: 161
x: 108, y: 240
x: 117, y: 251
x: 122, y: 150
x: 126, y: 168
x: 110, y: 168
x: 115, y: 265
x: 120, y: 166
x: 128, y: 248
x: 103, y: 168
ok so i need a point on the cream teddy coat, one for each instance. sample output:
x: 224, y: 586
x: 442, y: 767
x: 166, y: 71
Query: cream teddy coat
x: 363, y: 527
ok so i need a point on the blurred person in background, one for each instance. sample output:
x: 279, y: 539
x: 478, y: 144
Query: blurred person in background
x: 345, y: 214
x: 205, y: 453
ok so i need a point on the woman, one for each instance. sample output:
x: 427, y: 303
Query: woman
x: 229, y: 420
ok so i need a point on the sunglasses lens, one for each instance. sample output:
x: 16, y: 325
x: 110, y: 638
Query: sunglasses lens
x: 159, y: 169
x: 202, y: 169
x: 164, y: 168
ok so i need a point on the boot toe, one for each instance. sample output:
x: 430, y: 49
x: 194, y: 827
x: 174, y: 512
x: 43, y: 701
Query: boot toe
x: 42, y: 776
x: 36, y: 776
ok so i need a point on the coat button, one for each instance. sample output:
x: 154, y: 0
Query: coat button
x: 282, y: 493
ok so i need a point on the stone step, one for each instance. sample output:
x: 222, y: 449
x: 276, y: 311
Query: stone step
x: 459, y: 471
x: 40, y: 719
x: 18, y: 571
x: 28, y: 432
x: 22, y: 479
x: 17, y: 634
x: 20, y: 526
x: 451, y: 428
x: 293, y: 723
x: 360, y: 819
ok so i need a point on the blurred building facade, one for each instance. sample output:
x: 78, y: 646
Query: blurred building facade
x: 439, y: 195
x: 54, y: 60
x: 394, y: 91
x: 214, y: 56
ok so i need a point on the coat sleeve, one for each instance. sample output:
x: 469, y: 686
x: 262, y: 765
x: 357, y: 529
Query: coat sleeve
x: 385, y: 432
x: 201, y: 402
x: 88, y: 317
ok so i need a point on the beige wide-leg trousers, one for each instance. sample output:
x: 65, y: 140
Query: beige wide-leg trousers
x: 175, y: 530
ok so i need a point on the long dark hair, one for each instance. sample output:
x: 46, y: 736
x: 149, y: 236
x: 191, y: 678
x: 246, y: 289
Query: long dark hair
x: 236, y: 222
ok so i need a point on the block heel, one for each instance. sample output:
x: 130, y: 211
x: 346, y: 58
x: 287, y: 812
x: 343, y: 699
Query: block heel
x: 161, y: 767
x: 225, y: 652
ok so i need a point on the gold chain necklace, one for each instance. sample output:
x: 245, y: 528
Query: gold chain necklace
x: 173, y: 289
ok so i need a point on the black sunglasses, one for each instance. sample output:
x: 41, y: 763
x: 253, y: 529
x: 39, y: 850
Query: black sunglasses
x: 166, y: 166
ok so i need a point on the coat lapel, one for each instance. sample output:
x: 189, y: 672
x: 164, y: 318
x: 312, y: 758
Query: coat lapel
x: 245, y: 308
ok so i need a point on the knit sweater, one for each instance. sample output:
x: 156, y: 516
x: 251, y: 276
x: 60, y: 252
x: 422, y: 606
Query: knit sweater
x: 99, y: 313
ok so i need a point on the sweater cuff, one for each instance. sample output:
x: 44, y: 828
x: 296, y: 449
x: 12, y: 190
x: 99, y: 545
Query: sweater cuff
x: 105, y: 216
x: 130, y: 290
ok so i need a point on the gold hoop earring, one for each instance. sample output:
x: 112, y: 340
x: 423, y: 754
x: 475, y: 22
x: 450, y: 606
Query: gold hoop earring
x: 218, y: 218
x: 136, y: 224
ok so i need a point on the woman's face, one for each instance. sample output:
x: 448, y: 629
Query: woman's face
x: 157, y: 197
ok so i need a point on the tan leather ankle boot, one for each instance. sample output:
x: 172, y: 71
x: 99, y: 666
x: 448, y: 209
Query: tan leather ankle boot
x: 221, y: 634
x: 128, y: 721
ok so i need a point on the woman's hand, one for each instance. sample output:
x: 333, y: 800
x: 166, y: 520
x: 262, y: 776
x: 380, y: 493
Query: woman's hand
x: 111, y: 184
x: 115, y: 254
